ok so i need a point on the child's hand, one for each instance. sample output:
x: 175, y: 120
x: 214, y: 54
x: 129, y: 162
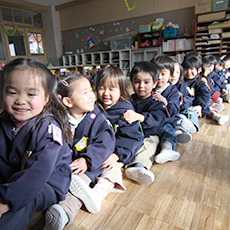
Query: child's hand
x: 224, y: 91
x: 110, y: 162
x: 159, y: 97
x: 198, y: 109
x: 3, y: 207
x: 130, y: 116
x: 79, y: 166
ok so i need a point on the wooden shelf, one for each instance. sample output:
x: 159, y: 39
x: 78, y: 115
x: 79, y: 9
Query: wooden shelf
x: 212, y: 46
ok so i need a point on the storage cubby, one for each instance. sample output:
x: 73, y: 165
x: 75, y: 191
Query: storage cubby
x: 66, y: 60
x: 212, y: 34
x: 114, y: 57
x: 146, y: 54
x: 125, y: 59
x: 96, y: 58
x: 87, y: 59
x: 79, y: 59
x: 105, y: 57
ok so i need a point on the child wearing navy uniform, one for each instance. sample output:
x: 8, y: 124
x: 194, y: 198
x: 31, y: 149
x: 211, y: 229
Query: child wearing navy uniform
x: 114, y: 100
x: 198, y: 90
x: 34, y: 158
x: 93, y: 142
x: 188, y: 117
x: 212, y: 80
x: 169, y: 95
x: 151, y: 114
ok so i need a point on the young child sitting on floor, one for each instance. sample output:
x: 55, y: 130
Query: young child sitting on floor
x: 114, y: 100
x: 189, y: 122
x: 169, y: 95
x: 151, y: 113
x: 34, y: 156
x: 212, y: 80
x: 93, y: 143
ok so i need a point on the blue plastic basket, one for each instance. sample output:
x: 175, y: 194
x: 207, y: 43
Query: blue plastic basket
x: 170, y: 32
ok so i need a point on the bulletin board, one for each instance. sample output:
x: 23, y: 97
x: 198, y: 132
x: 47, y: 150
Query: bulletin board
x: 93, y: 38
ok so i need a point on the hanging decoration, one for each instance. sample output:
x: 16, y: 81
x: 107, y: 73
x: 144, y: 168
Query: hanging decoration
x: 24, y: 35
x: 130, y: 8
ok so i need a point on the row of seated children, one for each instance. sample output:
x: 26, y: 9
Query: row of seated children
x: 156, y: 106
x: 135, y: 144
x: 98, y: 151
x: 200, y: 93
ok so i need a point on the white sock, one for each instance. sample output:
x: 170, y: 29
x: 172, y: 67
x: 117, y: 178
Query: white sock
x: 166, y: 145
x: 103, y: 187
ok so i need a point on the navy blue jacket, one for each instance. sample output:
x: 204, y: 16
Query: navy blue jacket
x: 171, y: 93
x: 200, y: 94
x: 154, y: 113
x: 186, y: 99
x: 221, y: 74
x: 32, y: 159
x: 129, y: 137
x: 93, y: 140
x: 214, y: 82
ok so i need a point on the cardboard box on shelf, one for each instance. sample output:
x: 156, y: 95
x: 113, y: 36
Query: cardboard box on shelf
x: 211, y: 16
x: 203, y: 6
x: 219, y: 5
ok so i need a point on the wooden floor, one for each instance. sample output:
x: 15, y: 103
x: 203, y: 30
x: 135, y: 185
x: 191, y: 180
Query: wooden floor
x: 191, y: 193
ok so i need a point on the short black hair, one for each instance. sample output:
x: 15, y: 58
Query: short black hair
x: 192, y: 62
x: 147, y: 67
x: 164, y: 62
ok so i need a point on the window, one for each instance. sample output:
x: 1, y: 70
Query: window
x: 37, y: 19
x: 6, y: 14
x: 2, y: 51
x: 22, y: 34
x: 35, y: 43
x: 17, y: 14
x: 27, y: 17
x: 21, y: 16
x: 16, y: 44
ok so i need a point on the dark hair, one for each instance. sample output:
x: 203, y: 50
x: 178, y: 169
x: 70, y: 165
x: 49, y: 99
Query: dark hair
x: 49, y: 83
x: 193, y: 54
x: 164, y: 62
x: 226, y: 58
x: 65, y: 87
x: 181, y: 78
x: 219, y: 60
x: 192, y: 62
x: 113, y: 75
x: 147, y: 67
x: 209, y: 60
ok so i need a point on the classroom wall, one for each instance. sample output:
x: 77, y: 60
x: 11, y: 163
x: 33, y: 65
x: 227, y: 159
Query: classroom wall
x: 104, y: 11
x: 75, y: 40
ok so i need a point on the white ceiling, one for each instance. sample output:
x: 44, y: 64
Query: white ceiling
x: 50, y: 2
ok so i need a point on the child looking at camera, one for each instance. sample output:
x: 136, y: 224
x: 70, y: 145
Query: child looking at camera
x: 93, y: 143
x: 34, y: 157
x: 114, y: 100
x: 151, y: 113
x: 169, y: 95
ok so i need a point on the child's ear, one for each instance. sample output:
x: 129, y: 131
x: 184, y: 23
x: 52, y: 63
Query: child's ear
x: 155, y: 84
x: 67, y: 102
x: 199, y: 70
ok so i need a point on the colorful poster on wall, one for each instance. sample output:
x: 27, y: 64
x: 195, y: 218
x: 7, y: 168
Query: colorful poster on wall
x: 90, y: 43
